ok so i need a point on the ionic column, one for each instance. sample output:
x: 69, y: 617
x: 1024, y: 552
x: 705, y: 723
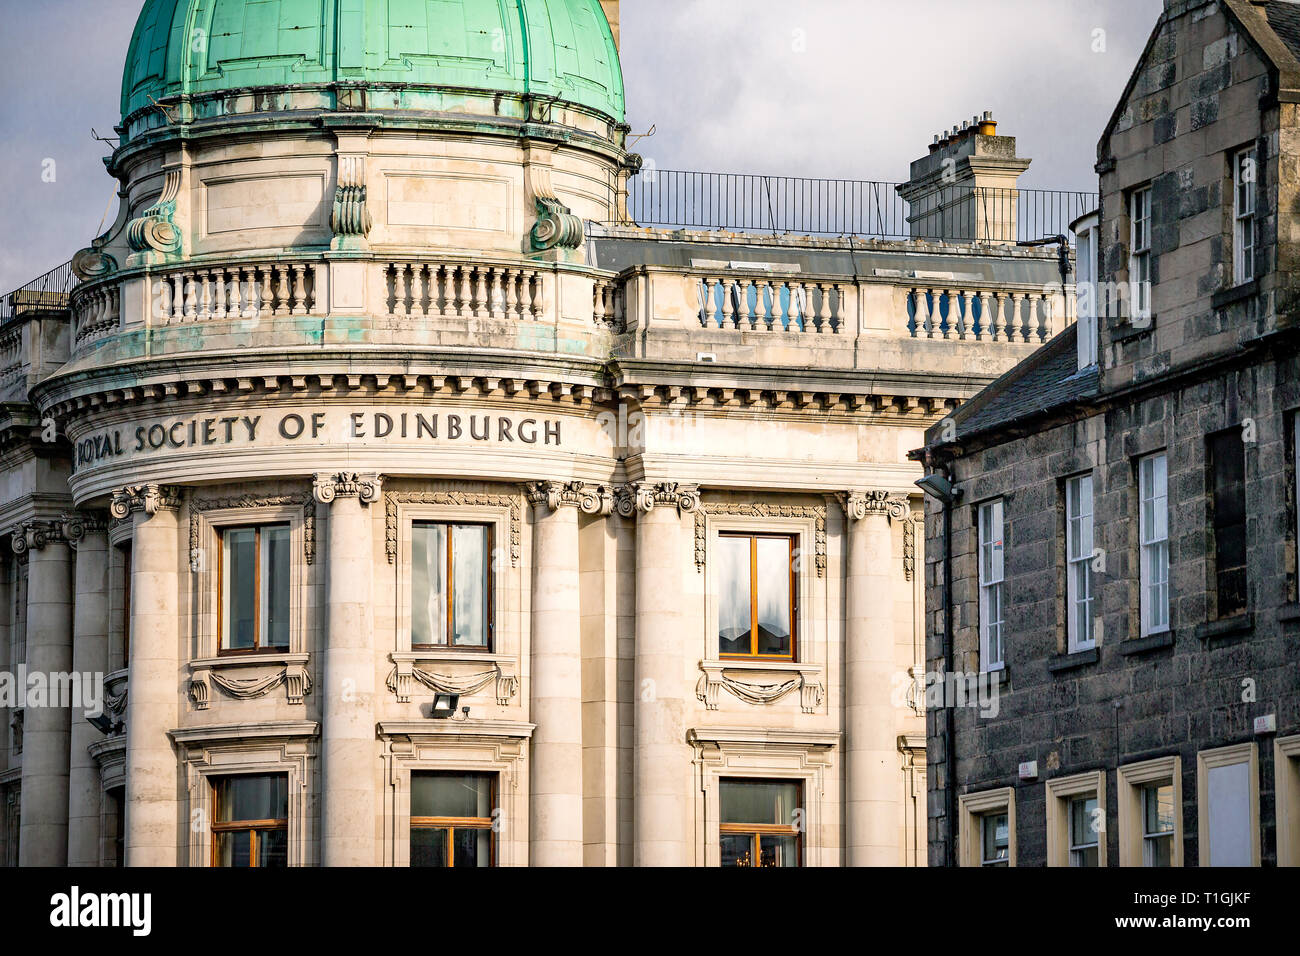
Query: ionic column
x: 88, y: 533
x: 43, y: 834
x: 662, y: 767
x: 873, y: 793
x: 555, y: 777
x: 349, y: 758
x: 152, y: 708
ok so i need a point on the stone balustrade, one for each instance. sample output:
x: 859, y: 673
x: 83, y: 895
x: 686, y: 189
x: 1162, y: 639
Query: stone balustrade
x: 235, y: 291
x: 13, y: 356
x: 770, y: 303
x: 96, y: 312
x: 955, y: 312
x: 465, y: 290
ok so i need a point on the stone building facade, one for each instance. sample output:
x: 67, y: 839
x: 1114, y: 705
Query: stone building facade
x: 410, y: 505
x: 1123, y: 535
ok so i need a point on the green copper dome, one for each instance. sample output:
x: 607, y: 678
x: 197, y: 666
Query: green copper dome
x: 550, y: 48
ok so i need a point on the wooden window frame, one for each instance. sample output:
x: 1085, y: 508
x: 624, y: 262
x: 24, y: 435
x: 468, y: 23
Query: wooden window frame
x: 252, y: 827
x: 985, y: 648
x: 452, y: 824
x: 1147, y: 548
x: 1207, y: 760
x: 758, y: 830
x: 1061, y: 792
x: 222, y: 637
x: 449, y: 572
x: 1074, y: 640
x: 1132, y: 778
x: 971, y: 809
x: 753, y: 537
x: 1139, y: 210
x: 1244, y: 213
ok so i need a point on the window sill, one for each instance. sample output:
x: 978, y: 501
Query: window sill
x: 1128, y: 331
x: 1238, y: 293
x: 1289, y: 612
x: 1238, y: 625
x: 492, y: 674
x: 1001, y: 676
x: 226, y: 659
x: 1143, y: 645
x: 1069, y: 662
x: 289, y: 670
x: 760, y: 682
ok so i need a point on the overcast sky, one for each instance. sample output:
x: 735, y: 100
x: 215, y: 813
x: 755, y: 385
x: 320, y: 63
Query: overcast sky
x: 850, y: 89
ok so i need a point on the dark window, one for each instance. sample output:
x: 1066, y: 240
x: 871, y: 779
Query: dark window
x: 126, y: 606
x: 1228, y: 504
x: 254, y: 584
x: 760, y: 823
x: 451, y: 820
x: 252, y: 821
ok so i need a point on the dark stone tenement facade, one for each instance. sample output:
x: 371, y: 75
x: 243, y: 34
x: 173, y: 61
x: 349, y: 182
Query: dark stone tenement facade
x: 1127, y: 514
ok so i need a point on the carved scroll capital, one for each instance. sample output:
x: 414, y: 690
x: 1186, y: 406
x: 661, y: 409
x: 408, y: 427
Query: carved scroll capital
x: 590, y: 499
x: 644, y: 497
x: 327, y: 487
x: 78, y: 524
x: 859, y: 505
x: 37, y: 535
x: 148, y: 499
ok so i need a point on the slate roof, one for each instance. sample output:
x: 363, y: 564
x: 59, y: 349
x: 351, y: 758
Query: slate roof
x: 1284, y: 18
x: 1047, y: 381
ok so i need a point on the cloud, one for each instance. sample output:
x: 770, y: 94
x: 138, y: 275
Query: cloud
x: 850, y: 89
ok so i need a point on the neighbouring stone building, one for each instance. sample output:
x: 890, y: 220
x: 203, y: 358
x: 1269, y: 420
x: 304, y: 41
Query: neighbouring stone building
x: 409, y: 503
x: 1121, y: 507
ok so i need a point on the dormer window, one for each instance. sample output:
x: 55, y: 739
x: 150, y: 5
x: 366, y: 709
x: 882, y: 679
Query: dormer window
x: 1087, y: 233
x: 1245, y: 176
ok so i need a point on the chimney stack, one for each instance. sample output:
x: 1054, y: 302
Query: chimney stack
x: 965, y: 188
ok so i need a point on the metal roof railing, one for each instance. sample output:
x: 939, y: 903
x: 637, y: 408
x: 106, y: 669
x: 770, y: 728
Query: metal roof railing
x: 776, y: 205
x: 49, y: 291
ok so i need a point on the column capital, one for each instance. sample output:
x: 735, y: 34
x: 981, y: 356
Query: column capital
x: 78, y: 524
x: 146, y: 499
x: 326, y: 486
x: 554, y: 495
x: 35, y: 535
x: 644, y: 496
x: 859, y: 505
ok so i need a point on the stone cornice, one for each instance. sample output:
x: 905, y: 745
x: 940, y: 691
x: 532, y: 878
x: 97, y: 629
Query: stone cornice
x: 591, y: 499
x: 641, y: 497
x: 327, y: 487
x: 149, y: 499
x: 239, y: 376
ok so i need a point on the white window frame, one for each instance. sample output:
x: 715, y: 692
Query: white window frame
x: 1154, y: 544
x: 1132, y: 820
x: 1139, y: 257
x: 1245, y: 197
x: 1209, y: 760
x: 1060, y: 793
x: 1079, y: 555
x: 992, y: 577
